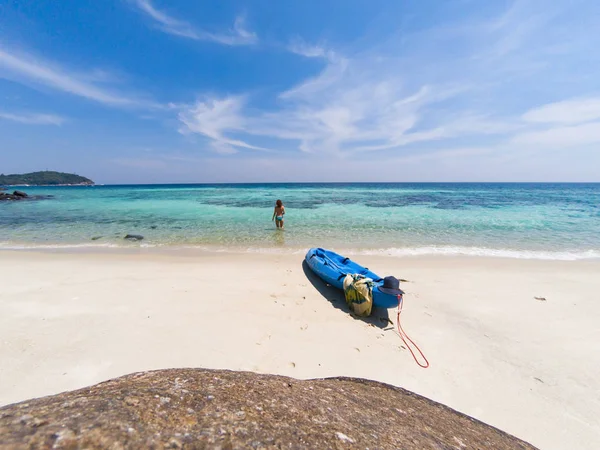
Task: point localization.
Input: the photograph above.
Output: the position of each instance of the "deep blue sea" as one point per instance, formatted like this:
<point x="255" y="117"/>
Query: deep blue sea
<point x="546" y="221"/>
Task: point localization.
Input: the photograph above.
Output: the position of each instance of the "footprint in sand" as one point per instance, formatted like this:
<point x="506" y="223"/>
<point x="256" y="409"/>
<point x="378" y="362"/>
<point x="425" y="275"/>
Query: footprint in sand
<point x="268" y="338"/>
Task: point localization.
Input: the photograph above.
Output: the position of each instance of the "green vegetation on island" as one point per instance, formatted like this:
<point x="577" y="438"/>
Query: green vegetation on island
<point x="45" y="178"/>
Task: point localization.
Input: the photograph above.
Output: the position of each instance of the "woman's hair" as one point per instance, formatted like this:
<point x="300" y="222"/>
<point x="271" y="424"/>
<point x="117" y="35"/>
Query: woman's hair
<point x="278" y="203"/>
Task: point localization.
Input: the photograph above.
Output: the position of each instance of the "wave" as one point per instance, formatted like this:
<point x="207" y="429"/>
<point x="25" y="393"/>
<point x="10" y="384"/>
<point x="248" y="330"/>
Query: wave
<point x="481" y="251"/>
<point x="13" y="246"/>
<point x="33" y="246"/>
<point x="398" y="252"/>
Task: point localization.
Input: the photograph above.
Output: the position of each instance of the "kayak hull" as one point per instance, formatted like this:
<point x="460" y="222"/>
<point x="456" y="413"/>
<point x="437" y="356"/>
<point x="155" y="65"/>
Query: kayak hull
<point x="333" y="268"/>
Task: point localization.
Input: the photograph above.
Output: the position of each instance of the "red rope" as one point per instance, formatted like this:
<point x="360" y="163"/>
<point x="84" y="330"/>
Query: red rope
<point x="403" y="335"/>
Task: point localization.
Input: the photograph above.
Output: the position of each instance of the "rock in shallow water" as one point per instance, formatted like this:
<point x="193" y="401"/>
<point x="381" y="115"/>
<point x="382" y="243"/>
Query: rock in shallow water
<point x="134" y="237"/>
<point x="18" y="195"/>
<point x="198" y="408"/>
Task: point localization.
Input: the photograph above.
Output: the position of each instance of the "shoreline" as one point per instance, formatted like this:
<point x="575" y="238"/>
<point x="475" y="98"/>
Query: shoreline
<point x="590" y="255"/>
<point x="173" y="253"/>
<point x="526" y="366"/>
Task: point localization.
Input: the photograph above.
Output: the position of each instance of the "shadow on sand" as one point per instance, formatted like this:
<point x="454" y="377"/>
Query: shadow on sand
<point x="379" y="316"/>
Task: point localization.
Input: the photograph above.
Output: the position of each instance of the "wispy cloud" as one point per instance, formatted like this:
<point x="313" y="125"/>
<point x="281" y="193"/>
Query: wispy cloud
<point x="446" y="87"/>
<point x="565" y="124"/>
<point x="238" y="35"/>
<point x="566" y="112"/>
<point x="514" y="27"/>
<point x="352" y="106"/>
<point x="33" y="118"/>
<point x="569" y="137"/>
<point x="299" y="47"/>
<point x="30" y="70"/>
<point x="213" y="118"/>
<point x="166" y="22"/>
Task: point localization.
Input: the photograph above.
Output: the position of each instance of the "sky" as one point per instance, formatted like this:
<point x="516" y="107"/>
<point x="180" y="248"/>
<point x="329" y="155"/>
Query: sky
<point x="193" y="91"/>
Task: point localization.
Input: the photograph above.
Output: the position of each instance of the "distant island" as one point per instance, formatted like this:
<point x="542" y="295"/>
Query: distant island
<point x="45" y="178"/>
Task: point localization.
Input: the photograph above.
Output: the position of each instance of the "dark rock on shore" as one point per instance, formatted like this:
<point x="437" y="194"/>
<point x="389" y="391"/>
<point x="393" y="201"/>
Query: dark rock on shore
<point x="134" y="237"/>
<point x="95" y="238"/>
<point x="197" y="408"/>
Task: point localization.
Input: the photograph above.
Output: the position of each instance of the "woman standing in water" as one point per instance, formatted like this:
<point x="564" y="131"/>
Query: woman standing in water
<point x="278" y="214"/>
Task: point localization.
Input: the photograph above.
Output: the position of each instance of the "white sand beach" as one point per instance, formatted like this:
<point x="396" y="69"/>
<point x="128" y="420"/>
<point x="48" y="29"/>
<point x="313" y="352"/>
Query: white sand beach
<point x="529" y="367"/>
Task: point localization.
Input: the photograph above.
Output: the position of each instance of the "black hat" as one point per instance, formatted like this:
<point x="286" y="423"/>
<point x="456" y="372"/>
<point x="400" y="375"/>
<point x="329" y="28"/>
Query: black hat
<point x="391" y="285"/>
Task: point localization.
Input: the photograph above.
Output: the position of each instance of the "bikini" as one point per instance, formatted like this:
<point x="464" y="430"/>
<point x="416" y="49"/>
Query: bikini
<point x="280" y="218"/>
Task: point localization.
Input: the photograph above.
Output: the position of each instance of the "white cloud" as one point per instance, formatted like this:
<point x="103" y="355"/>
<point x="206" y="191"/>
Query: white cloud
<point x="566" y="112"/>
<point x="238" y="35"/>
<point x="565" y="124"/>
<point x="27" y="69"/>
<point x="391" y="97"/>
<point x="334" y="71"/>
<point x="561" y="137"/>
<point x="33" y="119"/>
<point x="213" y="118"/>
<point x="243" y="35"/>
<point x="457" y="87"/>
<point x="299" y="47"/>
<point x="354" y="105"/>
<point x="512" y="29"/>
<point x="167" y="23"/>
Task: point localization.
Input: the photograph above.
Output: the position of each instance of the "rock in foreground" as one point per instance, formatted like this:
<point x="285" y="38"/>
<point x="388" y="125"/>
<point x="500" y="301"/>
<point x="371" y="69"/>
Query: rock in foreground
<point x="197" y="408"/>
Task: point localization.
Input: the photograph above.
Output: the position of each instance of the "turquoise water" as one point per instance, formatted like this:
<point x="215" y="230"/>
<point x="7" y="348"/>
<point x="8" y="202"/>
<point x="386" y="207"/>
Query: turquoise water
<point x="554" y="221"/>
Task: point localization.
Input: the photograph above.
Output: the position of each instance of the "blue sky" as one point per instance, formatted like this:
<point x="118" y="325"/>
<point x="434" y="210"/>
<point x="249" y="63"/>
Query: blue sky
<point x="157" y="91"/>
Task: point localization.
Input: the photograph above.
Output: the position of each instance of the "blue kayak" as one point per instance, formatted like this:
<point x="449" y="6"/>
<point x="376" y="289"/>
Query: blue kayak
<point x="333" y="268"/>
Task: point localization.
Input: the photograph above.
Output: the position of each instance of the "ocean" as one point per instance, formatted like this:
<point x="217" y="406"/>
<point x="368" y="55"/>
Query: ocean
<point x="519" y="220"/>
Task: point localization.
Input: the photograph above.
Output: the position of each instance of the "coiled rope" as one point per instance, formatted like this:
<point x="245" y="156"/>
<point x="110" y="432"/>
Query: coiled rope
<point x="405" y="337"/>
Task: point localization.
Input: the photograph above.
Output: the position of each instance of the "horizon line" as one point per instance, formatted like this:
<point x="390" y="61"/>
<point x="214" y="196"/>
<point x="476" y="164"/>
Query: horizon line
<point x="205" y="183"/>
